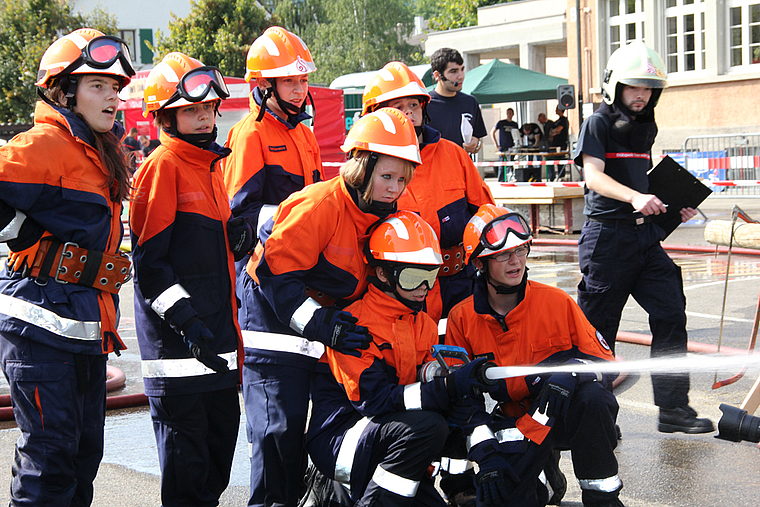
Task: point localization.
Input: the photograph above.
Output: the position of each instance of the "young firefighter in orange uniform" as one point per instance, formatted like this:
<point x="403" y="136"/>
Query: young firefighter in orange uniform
<point x="304" y="271"/>
<point x="62" y="184"/>
<point x="447" y="188"/>
<point x="513" y="321"/>
<point x="185" y="307"/>
<point x="273" y="153"/>
<point x="373" y="427"/>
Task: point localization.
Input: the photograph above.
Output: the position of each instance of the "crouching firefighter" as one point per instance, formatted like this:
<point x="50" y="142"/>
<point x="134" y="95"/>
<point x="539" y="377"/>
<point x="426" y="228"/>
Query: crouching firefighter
<point x="373" y="427"/>
<point x="513" y="321"/>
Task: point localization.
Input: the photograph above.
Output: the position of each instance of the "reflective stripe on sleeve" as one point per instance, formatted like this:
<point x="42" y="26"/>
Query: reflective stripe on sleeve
<point x="608" y="485"/>
<point x="479" y="434"/>
<point x="413" y="396"/>
<point x="345" y="460"/>
<point x="456" y="466"/>
<point x="49" y="320"/>
<point x="10" y="231"/>
<point x="176" y="368"/>
<point x="395" y="483"/>
<point x="303" y="315"/>
<point x="168" y="298"/>
<point x="282" y="343"/>
<point x="509" y="435"/>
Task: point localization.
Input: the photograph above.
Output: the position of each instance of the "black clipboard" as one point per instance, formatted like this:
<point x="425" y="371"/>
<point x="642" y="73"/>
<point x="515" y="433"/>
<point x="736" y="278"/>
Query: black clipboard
<point x="676" y="187"/>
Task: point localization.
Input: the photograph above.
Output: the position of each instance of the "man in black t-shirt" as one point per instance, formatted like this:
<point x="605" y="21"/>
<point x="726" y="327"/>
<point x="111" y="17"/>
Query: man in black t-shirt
<point x="501" y="133"/>
<point x="453" y="113"/>
<point x="619" y="250"/>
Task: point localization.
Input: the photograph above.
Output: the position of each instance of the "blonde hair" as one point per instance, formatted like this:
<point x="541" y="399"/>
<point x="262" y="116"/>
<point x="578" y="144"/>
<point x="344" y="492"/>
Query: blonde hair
<point x="355" y="168"/>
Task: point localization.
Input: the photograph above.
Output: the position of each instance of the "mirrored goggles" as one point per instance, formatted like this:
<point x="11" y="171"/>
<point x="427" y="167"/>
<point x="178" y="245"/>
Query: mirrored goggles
<point x="196" y="84"/>
<point x="101" y="52"/>
<point x="496" y="232"/>
<point x="412" y="278"/>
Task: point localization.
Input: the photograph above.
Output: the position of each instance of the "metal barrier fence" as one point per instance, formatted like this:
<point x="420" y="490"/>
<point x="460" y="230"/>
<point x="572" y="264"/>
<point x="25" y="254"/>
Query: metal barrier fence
<point x="723" y="158"/>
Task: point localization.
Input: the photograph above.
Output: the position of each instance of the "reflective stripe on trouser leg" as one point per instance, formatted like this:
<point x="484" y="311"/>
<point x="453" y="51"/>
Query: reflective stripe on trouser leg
<point x="395" y="483"/>
<point x="345" y="460"/>
<point x="608" y="485"/>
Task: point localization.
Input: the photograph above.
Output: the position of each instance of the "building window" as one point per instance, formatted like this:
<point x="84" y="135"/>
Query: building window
<point x="685" y="35"/>
<point x="744" y="32"/>
<point x="626" y="22"/>
<point x="129" y="38"/>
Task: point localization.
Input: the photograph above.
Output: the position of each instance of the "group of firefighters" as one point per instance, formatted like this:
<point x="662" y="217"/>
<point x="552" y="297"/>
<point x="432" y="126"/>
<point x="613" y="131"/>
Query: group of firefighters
<point x="321" y="297"/>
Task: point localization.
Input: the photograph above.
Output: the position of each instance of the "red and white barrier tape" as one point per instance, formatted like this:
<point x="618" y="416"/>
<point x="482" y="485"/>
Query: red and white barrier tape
<point x="513" y="163"/>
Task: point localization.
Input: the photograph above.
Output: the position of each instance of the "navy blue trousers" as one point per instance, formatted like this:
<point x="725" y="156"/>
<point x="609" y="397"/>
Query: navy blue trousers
<point x="196" y="436"/>
<point x="618" y="261"/>
<point x="59" y="403"/>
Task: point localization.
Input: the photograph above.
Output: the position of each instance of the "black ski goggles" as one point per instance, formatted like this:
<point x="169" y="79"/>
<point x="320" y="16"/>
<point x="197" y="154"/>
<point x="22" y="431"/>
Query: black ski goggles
<point x="196" y="84"/>
<point x="102" y="52"/>
<point x="412" y="277"/>
<point x="497" y="231"/>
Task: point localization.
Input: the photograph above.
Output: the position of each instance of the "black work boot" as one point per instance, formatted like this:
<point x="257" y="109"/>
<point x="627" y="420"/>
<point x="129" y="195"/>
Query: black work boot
<point x="683" y="419"/>
<point x="555" y="478"/>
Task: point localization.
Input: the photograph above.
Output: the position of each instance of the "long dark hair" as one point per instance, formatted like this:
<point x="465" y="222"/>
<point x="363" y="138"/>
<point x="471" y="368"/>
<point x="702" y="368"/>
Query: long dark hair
<point x="112" y="153"/>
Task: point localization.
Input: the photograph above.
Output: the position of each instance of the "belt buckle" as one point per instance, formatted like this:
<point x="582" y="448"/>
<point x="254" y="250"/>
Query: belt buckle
<point x="639" y="220"/>
<point x="65" y="252"/>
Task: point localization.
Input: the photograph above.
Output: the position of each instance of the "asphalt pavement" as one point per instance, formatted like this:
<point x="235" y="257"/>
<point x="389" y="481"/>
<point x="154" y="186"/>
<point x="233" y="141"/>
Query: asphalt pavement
<point x="658" y="470"/>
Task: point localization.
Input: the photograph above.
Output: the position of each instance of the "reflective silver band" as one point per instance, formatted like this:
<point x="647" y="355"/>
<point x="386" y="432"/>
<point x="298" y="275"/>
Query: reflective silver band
<point x="266" y="212"/>
<point x="456" y="466"/>
<point x="395" y="483"/>
<point x="10" y="231"/>
<point x="479" y="434"/>
<point x="442" y="326"/>
<point x="282" y="343"/>
<point x="540" y="418"/>
<point x="303" y="315"/>
<point x="608" y="485"/>
<point x="168" y="298"/>
<point x="48" y="320"/>
<point x="176" y="368"/>
<point x="345" y="460"/>
<point x="413" y="396"/>
<point x="509" y="435"/>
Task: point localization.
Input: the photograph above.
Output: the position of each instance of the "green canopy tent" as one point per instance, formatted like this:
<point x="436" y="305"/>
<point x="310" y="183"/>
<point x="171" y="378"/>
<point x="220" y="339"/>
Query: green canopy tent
<point x="497" y="82"/>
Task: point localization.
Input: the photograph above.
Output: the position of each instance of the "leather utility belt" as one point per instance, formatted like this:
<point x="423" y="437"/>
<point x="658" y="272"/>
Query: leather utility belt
<point x="453" y="260"/>
<point x="68" y="263"/>
<point x="621" y="221"/>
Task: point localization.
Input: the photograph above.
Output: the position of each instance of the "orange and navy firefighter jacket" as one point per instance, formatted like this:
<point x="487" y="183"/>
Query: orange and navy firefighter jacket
<point x="347" y="388"/>
<point x="178" y="221"/>
<point x="53" y="174"/>
<point x="270" y="160"/>
<point x="547" y="326"/>
<point x="446" y="191"/>
<point x="314" y="254"/>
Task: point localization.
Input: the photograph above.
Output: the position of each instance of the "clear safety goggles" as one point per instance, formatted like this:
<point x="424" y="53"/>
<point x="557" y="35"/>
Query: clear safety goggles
<point x="412" y="278"/>
<point x="497" y="231"/>
<point x="196" y="84"/>
<point x="102" y="52"/>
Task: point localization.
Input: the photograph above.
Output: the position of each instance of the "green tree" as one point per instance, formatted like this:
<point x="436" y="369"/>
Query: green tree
<point x="27" y="28"/>
<point x="362" y="35"/>
<point x="217" y="32"/>
<point x="450" y="14"/>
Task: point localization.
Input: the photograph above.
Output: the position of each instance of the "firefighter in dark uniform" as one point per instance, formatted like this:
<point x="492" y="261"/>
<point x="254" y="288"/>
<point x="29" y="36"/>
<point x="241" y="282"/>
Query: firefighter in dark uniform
<point x="619" y="249"/>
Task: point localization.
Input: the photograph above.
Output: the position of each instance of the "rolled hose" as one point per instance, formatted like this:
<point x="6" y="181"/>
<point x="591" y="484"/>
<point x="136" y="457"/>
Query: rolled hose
<point x="115" y="379"/>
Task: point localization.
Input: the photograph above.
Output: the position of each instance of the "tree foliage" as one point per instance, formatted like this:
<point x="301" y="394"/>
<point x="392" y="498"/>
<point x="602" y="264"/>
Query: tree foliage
<point x="450" y="14"/>
<point x="217" y="32"/>
<point x="27" y="28"/>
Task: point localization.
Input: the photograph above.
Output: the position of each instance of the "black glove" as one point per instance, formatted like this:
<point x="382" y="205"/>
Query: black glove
<point x="338" y="330"/>
<point x="467" y="380"/>
<point x="498" y="391"/>
<point x="461" y="412"/>
<point x="554" y="398"/>
<point x="496" y="476"/>
<point x="240" y="234"/>
<point x="183" y="319"/>
<point x="198" y="337"/>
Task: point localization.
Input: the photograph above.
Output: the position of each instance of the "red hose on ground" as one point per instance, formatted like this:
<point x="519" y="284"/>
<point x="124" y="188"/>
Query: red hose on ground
<point x="115" y="379"/>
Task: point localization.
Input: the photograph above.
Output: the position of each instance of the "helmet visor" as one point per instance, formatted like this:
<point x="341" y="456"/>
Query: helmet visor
<point x="101" y="52"/>
<point x="196" y="84"/>
<point x="496" y="232"/>
<point x="412" y="278"/>
<point x="644" y="82"/>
